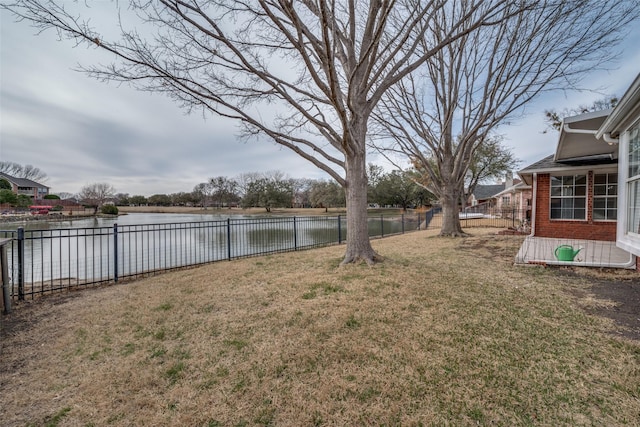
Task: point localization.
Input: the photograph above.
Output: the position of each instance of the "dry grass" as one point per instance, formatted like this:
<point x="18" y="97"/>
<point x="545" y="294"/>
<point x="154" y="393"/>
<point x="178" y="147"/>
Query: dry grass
<point x="444" y="332"/>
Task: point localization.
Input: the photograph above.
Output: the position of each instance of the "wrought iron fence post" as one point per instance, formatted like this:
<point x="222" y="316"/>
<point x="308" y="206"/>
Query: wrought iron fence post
<point x="381" y="226"/>
<point x="295" y="234"/>
<point x="513" y="218"/>
<point x="115" y="253"/>
<point x="20" y="263"/>
<point x="339" y="231"/>
<point x="4" y="278"/>
<point x="229" y="239"/>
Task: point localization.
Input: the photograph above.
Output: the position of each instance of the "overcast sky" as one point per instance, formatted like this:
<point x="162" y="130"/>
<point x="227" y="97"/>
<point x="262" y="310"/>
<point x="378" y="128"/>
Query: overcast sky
<point x="82" y="131"/>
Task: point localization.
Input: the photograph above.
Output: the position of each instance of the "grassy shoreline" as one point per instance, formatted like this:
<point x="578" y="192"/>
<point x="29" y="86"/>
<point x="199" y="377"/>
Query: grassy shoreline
<point x="443" y="332"/>
<point x="252" y="211"/>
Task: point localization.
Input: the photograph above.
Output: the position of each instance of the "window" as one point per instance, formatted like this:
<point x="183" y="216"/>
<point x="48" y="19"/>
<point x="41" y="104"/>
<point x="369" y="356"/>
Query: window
<point x="506" y="201"/>
<point x="605" y="197"/>
<point x="569" y="197"/>
<point x="633" y="182"/>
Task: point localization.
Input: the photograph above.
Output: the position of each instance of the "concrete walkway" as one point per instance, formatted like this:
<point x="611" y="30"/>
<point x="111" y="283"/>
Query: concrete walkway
<point x="593" y="253"/>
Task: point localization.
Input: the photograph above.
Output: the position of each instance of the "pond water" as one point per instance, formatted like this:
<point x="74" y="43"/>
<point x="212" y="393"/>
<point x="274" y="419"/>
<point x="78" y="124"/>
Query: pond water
<point x="91" y="250"/>
<point x="128" y="219"/>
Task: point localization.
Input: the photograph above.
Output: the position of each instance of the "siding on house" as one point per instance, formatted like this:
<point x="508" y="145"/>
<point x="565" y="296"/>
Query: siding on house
<point x="577" y="229"/>
<point x="26" y="187"/>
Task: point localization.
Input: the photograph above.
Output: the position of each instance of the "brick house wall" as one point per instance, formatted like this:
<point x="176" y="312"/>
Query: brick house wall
<point x="574" y="229"/>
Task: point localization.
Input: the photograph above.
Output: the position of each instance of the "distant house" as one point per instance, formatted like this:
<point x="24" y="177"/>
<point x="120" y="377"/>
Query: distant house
<point x="26" y="187"/>
<point x="516" y="198"/>
<point x="509" y="195"/>
<point x="576" y="205"/>
<point x="484" y="193"/>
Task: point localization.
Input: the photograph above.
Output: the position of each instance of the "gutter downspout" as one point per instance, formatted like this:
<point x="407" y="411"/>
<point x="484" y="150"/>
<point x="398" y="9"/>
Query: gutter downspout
<point x="567" y="129"/>
<point x="533" y="205"/>
<point x="605" y="136"/>
<point x="608" y="139"/>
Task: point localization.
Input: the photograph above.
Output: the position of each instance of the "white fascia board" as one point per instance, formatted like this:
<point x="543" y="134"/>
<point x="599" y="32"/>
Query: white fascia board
<point x="621" y="113"/>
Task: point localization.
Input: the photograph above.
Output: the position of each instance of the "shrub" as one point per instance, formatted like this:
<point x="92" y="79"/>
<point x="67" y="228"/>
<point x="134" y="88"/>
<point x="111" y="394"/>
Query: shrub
<point x="109" y="210"/>
<point x="51" y="197"/>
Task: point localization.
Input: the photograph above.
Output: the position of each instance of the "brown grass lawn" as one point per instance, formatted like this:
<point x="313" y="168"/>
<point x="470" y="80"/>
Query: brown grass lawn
<point x="444" y="332"/>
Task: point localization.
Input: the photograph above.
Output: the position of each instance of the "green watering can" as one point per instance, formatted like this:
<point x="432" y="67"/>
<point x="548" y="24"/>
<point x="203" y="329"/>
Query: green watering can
<point x="566" y="252"/>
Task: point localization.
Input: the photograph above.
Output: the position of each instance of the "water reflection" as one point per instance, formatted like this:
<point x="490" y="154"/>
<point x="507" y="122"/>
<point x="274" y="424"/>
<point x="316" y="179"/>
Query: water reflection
<point x="91" y="249"/>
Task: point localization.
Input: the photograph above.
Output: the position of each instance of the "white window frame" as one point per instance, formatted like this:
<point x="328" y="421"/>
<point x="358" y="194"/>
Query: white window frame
<point x="607" y="197"/>
<point x="563" y="196"/>
<point x="626" y="240"/>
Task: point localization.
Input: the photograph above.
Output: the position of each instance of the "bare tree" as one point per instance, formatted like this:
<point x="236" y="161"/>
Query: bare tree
<point x="224" y="191"/>
<point x="440" y="115"/>
<point x="96" y="194"/>
<point x="19" y="171"/>
<point x="490" y="160"/>
<point x="305" y="74"/>
<point x="554" y="118"/>
<point x="326" y="194"/>
<point x="202" y="192"/>
<point x="65" y="195"/>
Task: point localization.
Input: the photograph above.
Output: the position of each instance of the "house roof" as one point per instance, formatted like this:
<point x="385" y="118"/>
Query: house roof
<point x="514" y="188"/>
<point x="21" y="182"/>
<point x="483" y="192"/>
<point x="575" y="165"/>
<point x="578" y="137"/>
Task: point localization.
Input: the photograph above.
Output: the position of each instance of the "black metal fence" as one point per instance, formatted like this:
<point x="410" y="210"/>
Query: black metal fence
<point x="44" y="261"/>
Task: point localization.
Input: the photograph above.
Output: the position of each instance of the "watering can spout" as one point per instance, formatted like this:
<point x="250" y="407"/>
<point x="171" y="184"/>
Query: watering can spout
<point x="566" y="253"/>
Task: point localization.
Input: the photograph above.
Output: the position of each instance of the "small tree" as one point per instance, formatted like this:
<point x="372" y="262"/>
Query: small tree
<point x="24" y="201"/>
<point x="202" y="193"/>
<point x="109" y="210"/>
<point x="224" y="191"/>
<point x="8" y="196"/>
<point x="326" y="194"/>
<point x="121" y="199"/>
<point x="399" y="189"/>
<point x="269" y="191"/>
<point x="51" y="197"/>
<point x="159" y="200"/>
<point x="183" y="199"/>
<point x="4" y="184"/>
<point x="490" y="160"/>
<point x="95" y="195"/>
<point x="138" y="200"/>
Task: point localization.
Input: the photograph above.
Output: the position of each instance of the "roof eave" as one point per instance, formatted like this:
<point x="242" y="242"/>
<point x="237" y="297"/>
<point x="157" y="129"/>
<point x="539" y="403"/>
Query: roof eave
<point x="621" y="113"/>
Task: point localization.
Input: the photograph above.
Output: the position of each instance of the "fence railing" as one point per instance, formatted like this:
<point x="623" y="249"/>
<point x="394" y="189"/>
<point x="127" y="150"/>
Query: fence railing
<point x="50" y="260"/>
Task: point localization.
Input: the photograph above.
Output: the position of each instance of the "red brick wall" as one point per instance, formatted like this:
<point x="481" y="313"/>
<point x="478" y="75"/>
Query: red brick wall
<point x="586" y="229"/>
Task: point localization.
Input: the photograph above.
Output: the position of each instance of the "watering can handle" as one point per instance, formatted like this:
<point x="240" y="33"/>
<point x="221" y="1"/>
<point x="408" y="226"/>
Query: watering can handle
<point x="556" y="251"/>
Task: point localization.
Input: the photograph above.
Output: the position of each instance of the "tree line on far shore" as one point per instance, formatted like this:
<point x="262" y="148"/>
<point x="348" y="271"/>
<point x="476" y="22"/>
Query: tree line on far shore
<point x="273" y="189"/>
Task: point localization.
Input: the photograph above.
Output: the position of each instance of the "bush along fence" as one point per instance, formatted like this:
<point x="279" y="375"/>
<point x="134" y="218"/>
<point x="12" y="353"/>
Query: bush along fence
<point x="45" y="261"/>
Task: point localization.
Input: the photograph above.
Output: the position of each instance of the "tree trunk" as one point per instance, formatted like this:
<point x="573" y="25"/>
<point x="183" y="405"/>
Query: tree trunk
<point x="358" y="244"/>
<point x="450" y="215"/>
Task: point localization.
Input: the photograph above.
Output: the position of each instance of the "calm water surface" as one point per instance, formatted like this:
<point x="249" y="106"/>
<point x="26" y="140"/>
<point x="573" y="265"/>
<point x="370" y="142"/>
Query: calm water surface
<point x="129" y="219"/>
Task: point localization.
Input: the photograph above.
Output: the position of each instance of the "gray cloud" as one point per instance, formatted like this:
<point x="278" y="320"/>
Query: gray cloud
<point x="79" y="130"/>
